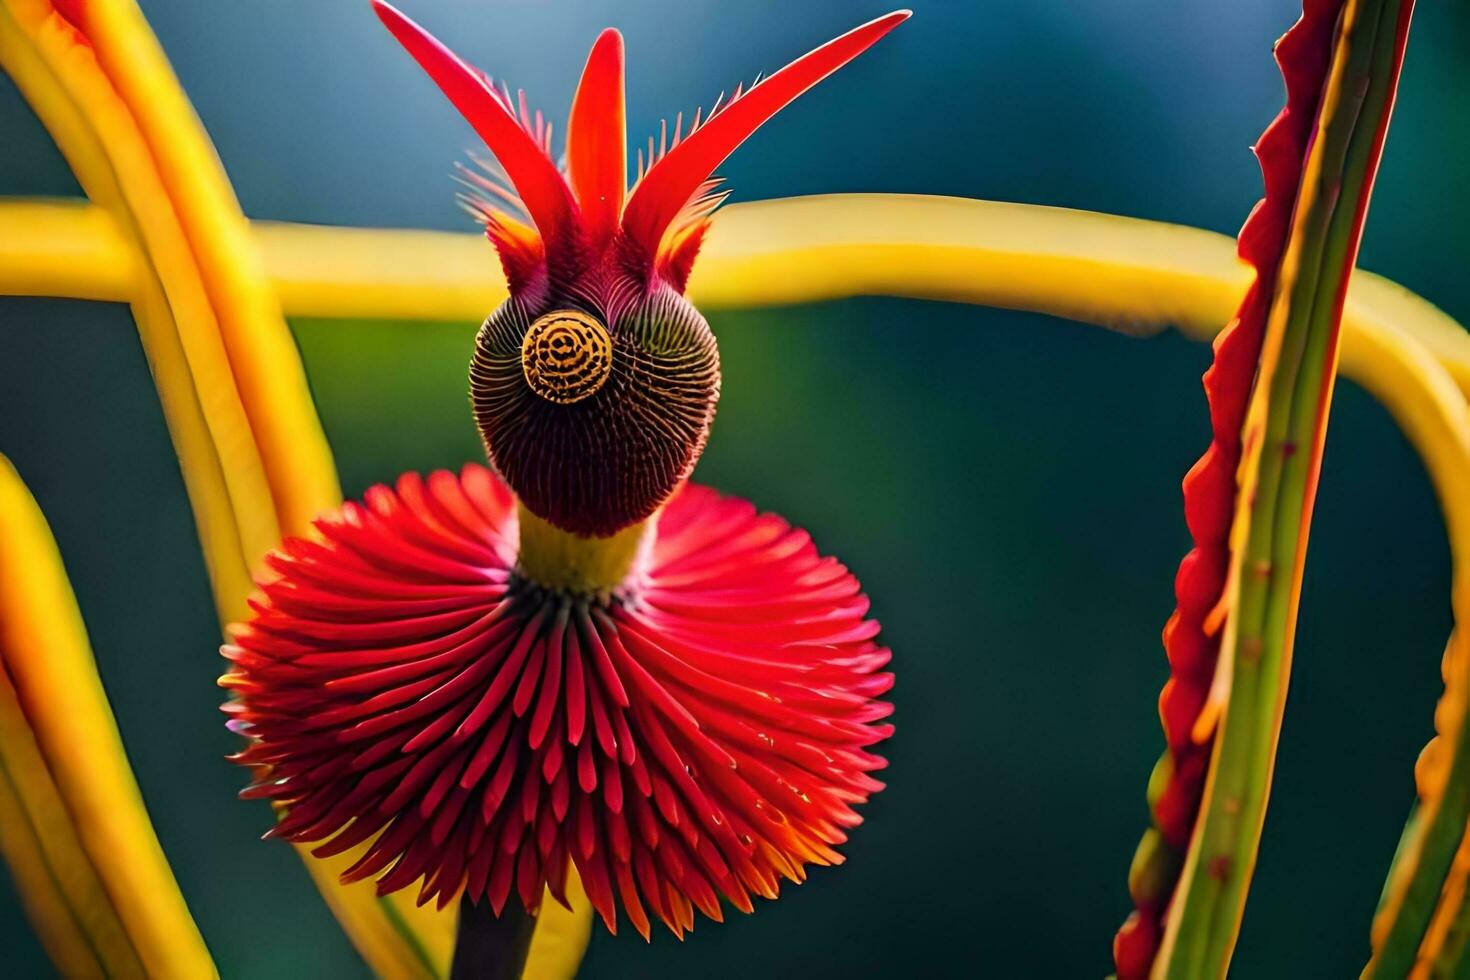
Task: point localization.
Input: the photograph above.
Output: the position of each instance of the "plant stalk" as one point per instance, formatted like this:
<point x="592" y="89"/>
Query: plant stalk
<point x="489" y="946"/>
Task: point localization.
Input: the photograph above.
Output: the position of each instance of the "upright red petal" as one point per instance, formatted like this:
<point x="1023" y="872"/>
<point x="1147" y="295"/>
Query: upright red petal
<point x="534" y="174"/>
<point x="597" y="152"/>
<point x="704" y="732"/>
<point x="675" y="178"/>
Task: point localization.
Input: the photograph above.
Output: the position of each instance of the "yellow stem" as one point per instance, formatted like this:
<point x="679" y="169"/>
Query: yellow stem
<point x="72" y="821"/>
<point x="1128" y="274"/>
<point x="564" y="562"/>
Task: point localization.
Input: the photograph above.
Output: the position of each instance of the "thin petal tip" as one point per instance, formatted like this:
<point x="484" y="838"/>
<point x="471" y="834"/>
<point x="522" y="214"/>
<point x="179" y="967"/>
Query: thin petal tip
<point x="609" y="36"/>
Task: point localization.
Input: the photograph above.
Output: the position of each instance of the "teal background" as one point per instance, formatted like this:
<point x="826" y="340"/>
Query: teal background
<point x="1012" y="506"/>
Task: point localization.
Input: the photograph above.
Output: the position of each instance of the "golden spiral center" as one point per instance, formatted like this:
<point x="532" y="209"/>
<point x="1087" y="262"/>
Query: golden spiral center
<point x="566" y="356"/>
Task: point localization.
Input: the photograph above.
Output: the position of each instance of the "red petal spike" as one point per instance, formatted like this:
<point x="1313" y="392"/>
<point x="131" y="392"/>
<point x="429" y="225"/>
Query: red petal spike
<point x="597" y="152"/>
<point x="533" y="173"/>
<point x="671" y="182"/>
<point x="704" y="733"/>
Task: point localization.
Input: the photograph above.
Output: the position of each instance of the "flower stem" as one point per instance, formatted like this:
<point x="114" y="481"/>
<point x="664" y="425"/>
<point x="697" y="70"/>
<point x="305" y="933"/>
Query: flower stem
<point x="489" y="946"/>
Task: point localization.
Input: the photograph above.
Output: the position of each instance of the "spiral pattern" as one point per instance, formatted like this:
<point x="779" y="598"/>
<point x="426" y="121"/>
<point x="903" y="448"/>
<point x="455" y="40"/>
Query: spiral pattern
<point x="594" y="466"/>
<point x="566" y="356"/>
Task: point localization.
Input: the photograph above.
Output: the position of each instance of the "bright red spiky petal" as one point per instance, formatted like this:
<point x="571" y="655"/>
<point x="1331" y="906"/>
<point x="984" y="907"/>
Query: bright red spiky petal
<point x="1303" y="54"/>
<point x="597" y="152"/>
<point x="703" y="734"/>
<point x="674" y="179"/>
<point x="530" y="169"/>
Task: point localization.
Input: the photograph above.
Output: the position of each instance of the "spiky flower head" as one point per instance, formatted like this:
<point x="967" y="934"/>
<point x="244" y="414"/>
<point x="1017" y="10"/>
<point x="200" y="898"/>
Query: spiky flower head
<point x="595" y="383"/>
<point x="699" y="735"/>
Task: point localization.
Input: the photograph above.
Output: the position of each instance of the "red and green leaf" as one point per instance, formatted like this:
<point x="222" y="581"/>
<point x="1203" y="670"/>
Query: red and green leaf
<point x="1248" y="501"/>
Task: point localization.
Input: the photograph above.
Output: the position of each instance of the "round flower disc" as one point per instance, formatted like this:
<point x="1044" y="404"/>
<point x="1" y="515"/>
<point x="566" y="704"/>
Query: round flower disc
<point x="701" y="734"/>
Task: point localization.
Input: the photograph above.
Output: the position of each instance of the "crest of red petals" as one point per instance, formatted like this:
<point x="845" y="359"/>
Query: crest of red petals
<point x="1303" y="54"/>
<point x="587" y="220"/>
<point x="698" y="736"/>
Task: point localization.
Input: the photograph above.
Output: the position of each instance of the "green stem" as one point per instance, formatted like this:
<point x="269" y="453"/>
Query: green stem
<point x="1357" y="97"/>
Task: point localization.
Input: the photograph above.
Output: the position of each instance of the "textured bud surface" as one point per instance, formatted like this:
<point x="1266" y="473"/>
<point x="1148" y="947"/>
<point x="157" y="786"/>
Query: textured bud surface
<point x="594" y="456"/>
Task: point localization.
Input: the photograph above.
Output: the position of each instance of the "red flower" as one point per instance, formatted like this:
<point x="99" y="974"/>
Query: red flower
<point x="701" y="731"/>
<point x="591" y="663"/>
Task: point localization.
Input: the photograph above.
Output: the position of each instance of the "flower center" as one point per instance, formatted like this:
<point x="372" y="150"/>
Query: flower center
<point x="564" y="562"/>
<point x="566" y="356"/>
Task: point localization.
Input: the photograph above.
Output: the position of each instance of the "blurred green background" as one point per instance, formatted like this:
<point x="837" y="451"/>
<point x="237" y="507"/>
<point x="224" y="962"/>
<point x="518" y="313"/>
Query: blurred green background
<point x="1012" y="508"/>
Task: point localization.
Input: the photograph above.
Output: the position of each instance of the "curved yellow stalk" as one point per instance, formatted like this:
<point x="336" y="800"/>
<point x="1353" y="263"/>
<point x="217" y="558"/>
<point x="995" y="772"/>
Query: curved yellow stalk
<point x="174" y="322"/>
<point x="1423" y="398"/>
<point x="72" y="822"/>
<point x="151" y="164"/>
<point x="1129" y="274"/>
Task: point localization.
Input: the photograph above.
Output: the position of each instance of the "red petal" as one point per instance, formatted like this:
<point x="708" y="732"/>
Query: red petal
<point x="677" y="176"/>
<point x="597" y="153"/>
<point x="399" y="680"/>
<point x="533" y="173"/>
